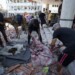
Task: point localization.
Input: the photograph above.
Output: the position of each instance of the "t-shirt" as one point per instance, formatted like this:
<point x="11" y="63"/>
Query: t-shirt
<point x="19" y="18"/>
<point x="65" y="35"/>
<point x="42" y="18"/>
<point x="49" y="16"/>
<point x="34" y="24"/>
<point x="1" y="20"/>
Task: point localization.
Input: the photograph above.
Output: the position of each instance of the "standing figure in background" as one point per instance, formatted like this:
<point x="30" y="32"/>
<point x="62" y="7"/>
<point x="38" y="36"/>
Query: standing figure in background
<point x="24" y="24"/>
<point x="59" y="10"/>
<point x="19" y="19"/>
<point x="42" y="17"/>
<point x="49" y="17"/>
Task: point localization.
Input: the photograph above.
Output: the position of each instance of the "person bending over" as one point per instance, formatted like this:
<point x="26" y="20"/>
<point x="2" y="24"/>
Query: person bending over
<point x="34" y="26"/>
<point x="67" y="37"/>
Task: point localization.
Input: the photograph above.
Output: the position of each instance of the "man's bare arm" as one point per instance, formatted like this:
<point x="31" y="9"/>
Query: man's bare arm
<point x="53" y="41"/>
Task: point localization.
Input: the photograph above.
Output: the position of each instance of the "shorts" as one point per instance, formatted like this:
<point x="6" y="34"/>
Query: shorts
<point x="68" y="55"/>
<point x="65" y="59"/>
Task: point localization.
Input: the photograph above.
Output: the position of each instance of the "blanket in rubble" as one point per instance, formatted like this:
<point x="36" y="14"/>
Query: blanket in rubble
<point x="20" y="58"/>
<point x="40" y="54"/>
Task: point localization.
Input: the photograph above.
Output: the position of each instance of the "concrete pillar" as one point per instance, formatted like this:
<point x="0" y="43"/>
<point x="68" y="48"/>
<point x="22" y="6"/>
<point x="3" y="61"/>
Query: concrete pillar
<point x="67" y="13"/>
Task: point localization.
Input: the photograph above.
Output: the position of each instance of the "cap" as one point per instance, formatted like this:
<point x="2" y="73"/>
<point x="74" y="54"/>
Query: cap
<point x="56" y="26"/>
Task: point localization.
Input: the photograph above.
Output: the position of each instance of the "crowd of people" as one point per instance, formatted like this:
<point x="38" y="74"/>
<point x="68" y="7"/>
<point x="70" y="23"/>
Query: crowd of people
<point x="27" y="21"/>
<point x="65" y="35"/>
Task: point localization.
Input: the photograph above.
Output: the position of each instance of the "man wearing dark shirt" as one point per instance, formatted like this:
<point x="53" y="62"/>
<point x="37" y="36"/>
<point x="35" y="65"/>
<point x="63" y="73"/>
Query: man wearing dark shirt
<point x="19" y="19"/>
<point x="59" y="10"/>
<point x="2" y="27"/>
<point x="67" y="37"/>
<point x="34" y="26"/>
<point x="42" y="18"/>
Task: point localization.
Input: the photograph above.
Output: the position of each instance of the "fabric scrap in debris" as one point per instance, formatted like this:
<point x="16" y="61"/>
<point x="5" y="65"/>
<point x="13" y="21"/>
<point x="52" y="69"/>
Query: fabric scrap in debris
<point x="23" y="57"/>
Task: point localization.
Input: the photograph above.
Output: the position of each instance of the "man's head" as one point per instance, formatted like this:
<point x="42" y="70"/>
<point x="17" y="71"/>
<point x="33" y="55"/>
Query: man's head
<point x="49" y="11"/>
<point x="56" y="26"/>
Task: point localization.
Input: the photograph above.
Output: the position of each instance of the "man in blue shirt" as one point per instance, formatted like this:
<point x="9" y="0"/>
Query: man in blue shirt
<point x="19" y="19"/>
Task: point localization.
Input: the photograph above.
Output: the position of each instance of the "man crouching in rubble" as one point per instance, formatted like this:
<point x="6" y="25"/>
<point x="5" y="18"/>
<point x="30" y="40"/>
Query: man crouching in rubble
<point x="34" y="26"/>
<point x="67" y="37"/>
